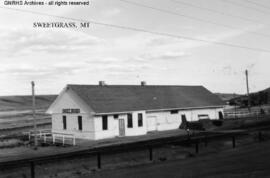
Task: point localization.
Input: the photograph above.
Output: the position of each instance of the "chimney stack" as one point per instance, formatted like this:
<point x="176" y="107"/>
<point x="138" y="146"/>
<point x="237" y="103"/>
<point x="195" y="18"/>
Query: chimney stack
<point x="101" y="83"/>
<point x="143" y="83"/>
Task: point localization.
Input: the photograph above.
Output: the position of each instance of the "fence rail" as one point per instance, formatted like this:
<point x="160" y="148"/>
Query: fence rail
<point x="63" y="137"/>
<point x="47" y="135"/>
<point x="38" y="133"/>
<point x="245" y="114"/>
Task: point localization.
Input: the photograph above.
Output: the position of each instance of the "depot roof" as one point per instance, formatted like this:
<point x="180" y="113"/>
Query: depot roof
<point x="121" y="98"/>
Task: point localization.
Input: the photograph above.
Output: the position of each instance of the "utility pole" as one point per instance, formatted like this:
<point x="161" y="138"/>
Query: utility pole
<point x="247" y="90"/>
<point x="34" y="114"/>
<point x="234" y="95"/>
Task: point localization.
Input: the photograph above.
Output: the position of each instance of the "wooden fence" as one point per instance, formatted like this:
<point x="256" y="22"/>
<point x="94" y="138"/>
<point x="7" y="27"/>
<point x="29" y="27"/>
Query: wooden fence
<point x="47" y="136"/>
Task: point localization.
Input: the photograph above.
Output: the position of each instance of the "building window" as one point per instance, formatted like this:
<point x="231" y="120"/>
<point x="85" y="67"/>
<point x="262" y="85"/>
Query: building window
<point x="129" y="120"/>
<point x="64" y="122"/>
<point x="115" y="116"/>
<point x="174" y="111"/>
<point x="80" y="122"/>
<point x="140" y="120"/>
<point x="105" y="122"/>
<point x="203" y="116"/>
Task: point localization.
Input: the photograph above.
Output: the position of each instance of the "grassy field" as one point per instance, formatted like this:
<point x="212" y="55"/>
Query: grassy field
<point x="19" y="103"/>
<point x="16" y="113"/>
<point x="227" y="96"/>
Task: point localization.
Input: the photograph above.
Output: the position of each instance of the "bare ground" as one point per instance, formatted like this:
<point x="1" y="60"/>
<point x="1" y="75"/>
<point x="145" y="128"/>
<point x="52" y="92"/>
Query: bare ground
<point x="251" y="160"/>
<point x="218" y="159"/>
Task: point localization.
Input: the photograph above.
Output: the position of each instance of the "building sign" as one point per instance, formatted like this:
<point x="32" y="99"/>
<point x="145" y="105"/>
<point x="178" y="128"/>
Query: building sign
<point x="71" y="111"/>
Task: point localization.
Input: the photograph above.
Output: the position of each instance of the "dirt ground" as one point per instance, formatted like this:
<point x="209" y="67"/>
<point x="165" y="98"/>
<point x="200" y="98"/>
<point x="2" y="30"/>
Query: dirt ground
<point x="249" y="159"/>
<point x="246" y="161"/>
<point x="24" y="152"/>
<point x="216" y="160"/>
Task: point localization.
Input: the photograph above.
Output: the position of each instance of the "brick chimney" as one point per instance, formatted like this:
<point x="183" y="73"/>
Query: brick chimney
<point x="143" y="83"/>
<point x="101" y="83"/>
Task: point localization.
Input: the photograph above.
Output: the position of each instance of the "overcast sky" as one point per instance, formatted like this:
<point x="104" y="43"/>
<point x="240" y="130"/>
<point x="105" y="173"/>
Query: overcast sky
<point x="56" y="57"/>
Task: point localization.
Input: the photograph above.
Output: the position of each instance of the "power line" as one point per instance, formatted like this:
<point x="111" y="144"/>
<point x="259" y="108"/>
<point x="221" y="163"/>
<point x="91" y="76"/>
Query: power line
<point x="214" y="11"/>
<point x="142" y="30"/>
<point x="190" y="17"/>
<point x="245" y="6"/>
<point x="258" y="4"/>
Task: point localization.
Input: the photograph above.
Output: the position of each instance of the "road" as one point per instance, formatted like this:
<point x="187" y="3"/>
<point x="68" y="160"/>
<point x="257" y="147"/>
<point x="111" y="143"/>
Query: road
<point x="246" y="161"/>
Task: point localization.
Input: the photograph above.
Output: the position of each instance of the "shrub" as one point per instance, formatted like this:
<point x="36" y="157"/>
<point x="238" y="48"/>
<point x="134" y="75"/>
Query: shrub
<point x="10" y="143"/>
<point x="217" y="122"/>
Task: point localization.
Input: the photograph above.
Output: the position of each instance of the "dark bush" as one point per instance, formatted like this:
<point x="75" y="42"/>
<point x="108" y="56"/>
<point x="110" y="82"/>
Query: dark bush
<point x="217" y="122"/>
<point x="196" y="125"/>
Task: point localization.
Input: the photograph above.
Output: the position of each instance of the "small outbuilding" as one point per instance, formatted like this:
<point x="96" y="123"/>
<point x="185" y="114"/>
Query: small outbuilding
<point x="105" y="111"/>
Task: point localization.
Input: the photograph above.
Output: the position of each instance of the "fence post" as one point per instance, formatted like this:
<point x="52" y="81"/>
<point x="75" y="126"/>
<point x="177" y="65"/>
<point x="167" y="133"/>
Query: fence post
<point x="150" y="153"/>
<point x="53" y="138"/>
<point x="99" y="160"/>
<point x="63" y="140"/>
<point x="233" y="141"/>
<point x="260" y="136"/>
<point x="188" y="137"/>
<point x="74" y="141"/>
<point x="205" y="141"/>
<point x="32" y="165"/>
<point x="197" y="146"/>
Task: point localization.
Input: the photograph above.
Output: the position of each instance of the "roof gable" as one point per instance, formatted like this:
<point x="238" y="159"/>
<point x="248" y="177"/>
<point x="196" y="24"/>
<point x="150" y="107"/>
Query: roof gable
<point x="68" y="99"/>
<point x="121" y="98"/>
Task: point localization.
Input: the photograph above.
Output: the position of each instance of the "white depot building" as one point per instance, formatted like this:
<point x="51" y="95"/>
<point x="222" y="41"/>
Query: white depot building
<point x="104" y="111"/>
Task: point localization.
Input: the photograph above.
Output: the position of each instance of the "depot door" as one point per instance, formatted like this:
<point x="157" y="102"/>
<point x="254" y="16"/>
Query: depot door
<point x="121" y="127"/>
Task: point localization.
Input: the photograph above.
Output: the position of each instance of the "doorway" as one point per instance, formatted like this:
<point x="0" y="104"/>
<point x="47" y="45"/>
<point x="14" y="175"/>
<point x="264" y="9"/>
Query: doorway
<point x="121" y="127"/>
<point x="220" y="115"/>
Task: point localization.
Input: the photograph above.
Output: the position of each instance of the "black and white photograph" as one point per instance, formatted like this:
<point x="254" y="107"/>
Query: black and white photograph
<point x="134" y="89"/>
